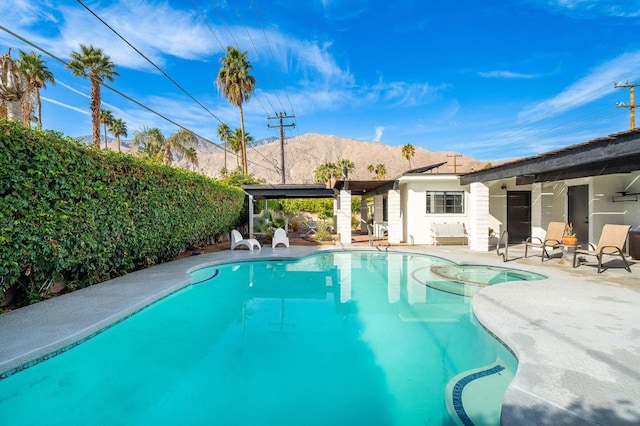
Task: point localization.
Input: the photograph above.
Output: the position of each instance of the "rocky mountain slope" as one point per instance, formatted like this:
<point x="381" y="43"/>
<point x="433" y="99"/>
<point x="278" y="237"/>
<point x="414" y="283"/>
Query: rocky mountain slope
<point x="303" y="154"/>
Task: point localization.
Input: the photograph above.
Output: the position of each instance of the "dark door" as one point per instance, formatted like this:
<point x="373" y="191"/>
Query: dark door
<point x="578" y="210"/>
<point x="518" y="216"/>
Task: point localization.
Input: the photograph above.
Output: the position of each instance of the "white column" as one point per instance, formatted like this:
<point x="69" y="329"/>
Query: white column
<point x="537" y="227"/>
<point x="378" y="211"/>
<point x="394" y="223"/>
<point x="364" y="214"/>
<point x="343" y="263"/>
<point x="416" y="291"/>
<point x="250" y="216"/>
<point x="335" y="213"/>
<point x="394" y="274"/>
<point x="344" y="217"/>
<point x="479" y="217"/>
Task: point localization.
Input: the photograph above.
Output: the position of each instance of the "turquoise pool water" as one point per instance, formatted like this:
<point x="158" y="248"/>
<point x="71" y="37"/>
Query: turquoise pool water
<point x="344" y="338"/>
<point x="469" y="279"/>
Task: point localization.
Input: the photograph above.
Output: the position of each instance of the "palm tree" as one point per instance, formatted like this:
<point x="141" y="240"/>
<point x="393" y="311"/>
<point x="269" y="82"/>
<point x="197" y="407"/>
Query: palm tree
<point x="119" y="128"/>
<point x="235" y="143"/>
<point x="223" y="133"/>
<point x="408" y="151"/>
<point x="181" y="143"/>
<point x="237" y="85"/>
<point x="154" y="146"/>
<point x="148" y="142"/>
<point x="346" y="165"/>
<point x="324" y="173"/>
<point x="381" y="171"/>
<point x="37" y="75"/>
<point x="106" y="118"/>
<point x="92" y="63"/>
<point x="12" y="87"/>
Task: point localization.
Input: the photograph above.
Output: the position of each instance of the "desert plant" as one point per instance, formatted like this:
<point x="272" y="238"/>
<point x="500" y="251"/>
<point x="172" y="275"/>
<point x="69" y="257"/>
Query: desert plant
<point x="323" y="233"/>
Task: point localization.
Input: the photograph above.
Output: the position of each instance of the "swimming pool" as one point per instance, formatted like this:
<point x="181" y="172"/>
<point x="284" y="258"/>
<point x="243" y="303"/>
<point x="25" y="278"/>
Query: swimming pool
<point x="334" y="338"/>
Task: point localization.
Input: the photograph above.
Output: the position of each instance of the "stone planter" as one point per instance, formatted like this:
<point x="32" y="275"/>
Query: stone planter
<point x="57" y="287"/>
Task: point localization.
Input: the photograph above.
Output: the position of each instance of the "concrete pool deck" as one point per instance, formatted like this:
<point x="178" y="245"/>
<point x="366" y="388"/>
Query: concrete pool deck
<point x="576" y="335"/>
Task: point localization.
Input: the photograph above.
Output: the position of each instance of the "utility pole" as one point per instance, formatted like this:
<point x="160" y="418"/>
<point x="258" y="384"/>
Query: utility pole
<point x="632" y="103"/>
<point x="281" y="125"/>
<point x="455" y="164"/>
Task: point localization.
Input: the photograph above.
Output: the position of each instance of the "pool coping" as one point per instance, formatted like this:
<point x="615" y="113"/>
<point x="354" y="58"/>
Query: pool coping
<point x="576" y="337"/>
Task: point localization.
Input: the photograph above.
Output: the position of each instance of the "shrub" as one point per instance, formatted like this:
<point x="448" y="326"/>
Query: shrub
<point x="73" y="212"/>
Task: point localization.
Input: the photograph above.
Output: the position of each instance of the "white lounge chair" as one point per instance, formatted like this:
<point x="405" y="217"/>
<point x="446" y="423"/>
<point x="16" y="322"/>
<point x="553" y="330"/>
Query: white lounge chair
<point x="237" y="240"/>
<point x="279" y="237"/>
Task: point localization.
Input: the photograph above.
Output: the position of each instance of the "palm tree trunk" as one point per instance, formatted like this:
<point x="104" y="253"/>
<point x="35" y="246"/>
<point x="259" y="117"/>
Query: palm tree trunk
<point x="14" y="110"/>
<point x="168" y="158"/>
<point x="39" y="105"/>
<point x="105" y="136"/>
<point x="243" y="146"/>
<point x="118" y="139"/>
<point x="27" y="108"/>
<point x="95" y="111"/>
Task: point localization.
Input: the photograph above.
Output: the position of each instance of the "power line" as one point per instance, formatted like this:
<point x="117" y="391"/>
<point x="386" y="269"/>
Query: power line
<point x="150" y="61"/>
<point x="632" y="103"/>
<point x="455" y="163"/>
<point x="222" y="46"/>
<point x="129" y="98"/>
<point x="273" y="56"/>
<point x="281" y="125"/>
<point x="244" y="25"/>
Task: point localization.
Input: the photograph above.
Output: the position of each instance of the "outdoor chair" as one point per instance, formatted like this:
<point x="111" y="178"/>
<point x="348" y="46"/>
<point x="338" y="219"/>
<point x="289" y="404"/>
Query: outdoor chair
<point x="309" y="227"/>
<point x="552" y="239"/>
<point x="611" y="242"/>
<point x="279" y="237"/>
<point x="237" y="240"/>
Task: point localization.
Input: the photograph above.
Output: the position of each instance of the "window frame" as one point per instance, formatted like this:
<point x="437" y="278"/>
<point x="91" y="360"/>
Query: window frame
<point x="448" y="200"/>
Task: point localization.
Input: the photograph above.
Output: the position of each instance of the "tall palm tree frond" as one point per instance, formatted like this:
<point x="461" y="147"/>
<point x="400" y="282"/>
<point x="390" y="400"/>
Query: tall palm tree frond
<point x="237" y="84"/>
<point x="91" y="62"/>
<point x="37" y="75"/>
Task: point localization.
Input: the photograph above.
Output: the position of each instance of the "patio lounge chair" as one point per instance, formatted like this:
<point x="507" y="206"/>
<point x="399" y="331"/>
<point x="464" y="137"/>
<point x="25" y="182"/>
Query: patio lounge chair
<point x="611" y="242"/>
<point x="309" y="227"/>
<point x="237" y="241"/>
<point x="280" y="237"/>
<point x="552" y="239"/>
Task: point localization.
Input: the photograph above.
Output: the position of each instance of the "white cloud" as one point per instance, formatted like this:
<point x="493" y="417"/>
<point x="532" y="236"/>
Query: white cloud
<point x="145" y="27"/>
<point x="67" y="106"/>
<point x="593" y="8"/>
<point x="25" y="12"/>
<point x="506" y="74"/>
<point x="73" y="89"/>
<point x="379" y="131"/>
<point x="593" y="86"/>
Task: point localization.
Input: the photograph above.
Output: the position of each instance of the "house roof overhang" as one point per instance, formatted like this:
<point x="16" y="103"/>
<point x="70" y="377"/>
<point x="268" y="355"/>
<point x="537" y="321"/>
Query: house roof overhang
<point x="268" y="192"/>
<point x="364" y="187"/>
<point x="616" y="153"/>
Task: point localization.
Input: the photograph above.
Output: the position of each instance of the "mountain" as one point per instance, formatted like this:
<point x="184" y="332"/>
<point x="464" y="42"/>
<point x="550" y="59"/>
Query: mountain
<point x="303" y="154"/>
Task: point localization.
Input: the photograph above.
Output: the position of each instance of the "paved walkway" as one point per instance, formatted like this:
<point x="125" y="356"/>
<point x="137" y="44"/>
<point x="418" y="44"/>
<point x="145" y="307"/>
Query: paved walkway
<point x="576" y="335"/>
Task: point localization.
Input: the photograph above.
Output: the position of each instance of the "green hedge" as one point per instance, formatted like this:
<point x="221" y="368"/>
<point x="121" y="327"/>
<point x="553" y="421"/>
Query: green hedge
<point x="73" y="212"/>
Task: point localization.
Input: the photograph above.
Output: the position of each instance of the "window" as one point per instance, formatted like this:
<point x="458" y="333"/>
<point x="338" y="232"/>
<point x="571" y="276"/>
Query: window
<point x="445" y="201"/>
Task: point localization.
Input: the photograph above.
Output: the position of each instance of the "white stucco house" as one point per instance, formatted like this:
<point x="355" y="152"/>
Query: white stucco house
<point x="588" y="184"/>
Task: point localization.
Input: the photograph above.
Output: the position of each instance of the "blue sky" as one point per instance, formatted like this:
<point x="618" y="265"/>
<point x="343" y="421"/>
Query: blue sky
<point x="492" y="79"/>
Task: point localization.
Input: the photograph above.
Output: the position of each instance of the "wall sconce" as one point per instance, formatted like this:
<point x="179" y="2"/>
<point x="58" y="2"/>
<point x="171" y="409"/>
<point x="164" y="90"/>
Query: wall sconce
<point x="504" y="187"/>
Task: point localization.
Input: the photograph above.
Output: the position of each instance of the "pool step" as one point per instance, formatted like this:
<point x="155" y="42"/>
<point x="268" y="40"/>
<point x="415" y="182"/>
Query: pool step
<point x="475" y="397"/>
